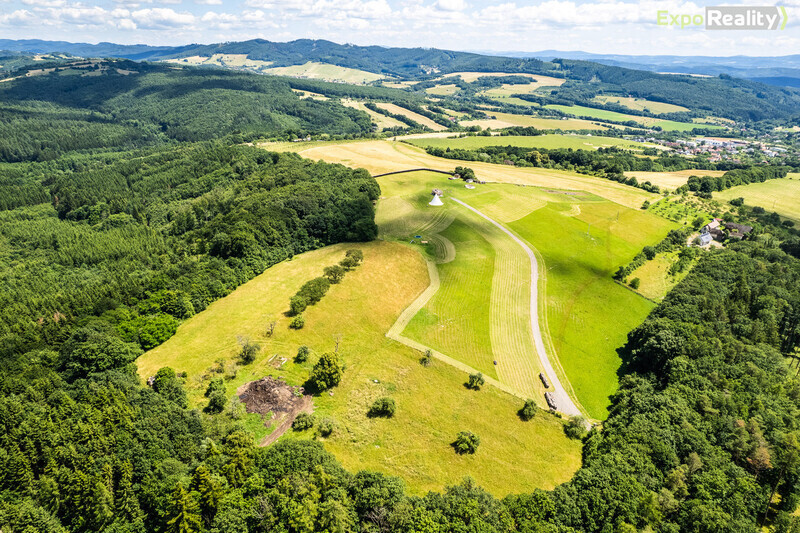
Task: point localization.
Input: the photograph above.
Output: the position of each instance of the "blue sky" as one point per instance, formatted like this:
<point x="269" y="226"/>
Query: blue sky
<point x="602" y="26"/>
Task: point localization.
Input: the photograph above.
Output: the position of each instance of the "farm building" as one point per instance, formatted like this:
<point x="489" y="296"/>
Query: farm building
<point x="437" y="192"/>
<point x="705" y="238"/>
<point x="737" y="231"/>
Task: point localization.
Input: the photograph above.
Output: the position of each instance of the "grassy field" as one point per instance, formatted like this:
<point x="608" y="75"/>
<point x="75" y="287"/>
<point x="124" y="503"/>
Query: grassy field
<point x="224" y="60"/>
<point x="443" y="90"/>
<point x="578" y="267"/>
<point x="425" y="121"/>
<point x="539" y="141"/>
<point x="655" y="278"/>
<point x="481" y="312"/>
<point x="781" y="196"/>
<point x="672" y="180"/>
<point x="602" y="114"/>
<point x="433" y="404"/>
<point x="588" y="314"/>
<point x="325" y="71"/>
<point x="640" y="104"/>
<point x="499" y="120"/>
<point x="382" y="121"/>
<point x="387" y="156"/>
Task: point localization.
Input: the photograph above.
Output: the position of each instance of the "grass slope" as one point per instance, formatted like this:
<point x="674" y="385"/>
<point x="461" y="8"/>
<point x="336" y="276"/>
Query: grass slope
<point x="640" y="104"/>
<point x="416" y="117"/>
<point x="432" y="403"/>
<point x="588" y="314"/>
<point x="325" y="71"/>
<point x="602" y="114"/>
<point x="672" y="180"/>
<point x="575" y="142"/>
<point x="781" y="196"/>
<point x="386" y="156"/>
<point x="500" y="120"/>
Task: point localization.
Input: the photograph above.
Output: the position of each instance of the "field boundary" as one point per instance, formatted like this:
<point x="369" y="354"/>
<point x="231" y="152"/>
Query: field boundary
<point x="412" y="170"/>
<point x="395" y="332"/>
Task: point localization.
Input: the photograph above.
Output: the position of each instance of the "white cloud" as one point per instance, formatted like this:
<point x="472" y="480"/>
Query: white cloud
<point x="208" y="2"/>
<point x="161" y="18"/>
<point x="451" y="5"/>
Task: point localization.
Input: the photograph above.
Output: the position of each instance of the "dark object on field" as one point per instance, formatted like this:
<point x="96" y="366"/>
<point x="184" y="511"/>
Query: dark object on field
<point x="495" y="362"/>
<point x="551" y="400"/>
<point x="270" y="395"/>
<point x="544" y="380"/>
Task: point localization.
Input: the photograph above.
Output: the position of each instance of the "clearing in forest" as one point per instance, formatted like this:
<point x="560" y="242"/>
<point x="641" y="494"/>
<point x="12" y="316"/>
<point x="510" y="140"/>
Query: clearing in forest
<point x="325" y="71"/>
<point x="432" y="403"/>
<point x="416" y="117"/>
<point x="640" y="104"/>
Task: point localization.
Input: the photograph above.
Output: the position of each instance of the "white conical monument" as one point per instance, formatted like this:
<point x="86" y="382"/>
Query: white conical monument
<point x="436" y="200"/>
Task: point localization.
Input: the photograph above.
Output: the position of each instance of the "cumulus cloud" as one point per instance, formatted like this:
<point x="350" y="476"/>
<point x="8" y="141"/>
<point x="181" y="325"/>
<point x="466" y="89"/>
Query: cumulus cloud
<point x="208" y="2"/>
<point x="451" y="5"/>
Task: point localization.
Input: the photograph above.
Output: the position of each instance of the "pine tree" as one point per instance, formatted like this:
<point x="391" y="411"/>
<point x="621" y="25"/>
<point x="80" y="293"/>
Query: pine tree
<point x="183" y="515"/>
<point x="209" y="490"/>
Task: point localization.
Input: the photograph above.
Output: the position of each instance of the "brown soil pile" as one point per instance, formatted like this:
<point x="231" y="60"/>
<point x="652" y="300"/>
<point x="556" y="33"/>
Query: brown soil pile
<point x="270" y="396"/>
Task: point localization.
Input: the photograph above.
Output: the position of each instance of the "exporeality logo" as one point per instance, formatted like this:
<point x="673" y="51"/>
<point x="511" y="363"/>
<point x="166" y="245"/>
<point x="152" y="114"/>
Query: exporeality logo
<point x="728" y="18"/>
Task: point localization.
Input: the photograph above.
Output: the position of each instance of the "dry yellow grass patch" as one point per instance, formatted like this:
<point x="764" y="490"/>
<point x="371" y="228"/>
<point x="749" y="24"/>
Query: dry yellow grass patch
<point x="672" y="180"/>
<point x="425" y="121"/>
<point x="507" y="120"/>
<point x="385" y="156"/>
<point x="382" y="121"/>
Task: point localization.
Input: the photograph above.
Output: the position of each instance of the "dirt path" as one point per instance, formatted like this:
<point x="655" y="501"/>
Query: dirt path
<point x="306" y="407"/>
<point x="395" y="332"/>
<point x="563" y="401"/>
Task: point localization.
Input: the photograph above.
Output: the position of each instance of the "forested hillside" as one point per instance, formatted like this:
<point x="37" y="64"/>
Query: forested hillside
<point x="127" y="104"/>
<point x="701" y="434"/>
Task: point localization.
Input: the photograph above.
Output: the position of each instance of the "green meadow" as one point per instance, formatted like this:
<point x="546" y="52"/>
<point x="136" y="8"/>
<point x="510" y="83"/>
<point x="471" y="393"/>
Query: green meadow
<point x="576" y="142"/>
<point x="588" y="314"/>
<point x="602" y="114"/>
<point x="781" y="196"/>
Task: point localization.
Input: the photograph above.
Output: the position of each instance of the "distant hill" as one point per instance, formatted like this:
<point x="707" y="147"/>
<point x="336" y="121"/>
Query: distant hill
<point x="772" y="70"/>
<point x="721" y="95"/>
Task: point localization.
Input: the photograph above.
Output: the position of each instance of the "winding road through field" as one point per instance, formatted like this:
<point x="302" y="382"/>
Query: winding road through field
<point x="520" y="375"/>
<point x="563" y="401"/>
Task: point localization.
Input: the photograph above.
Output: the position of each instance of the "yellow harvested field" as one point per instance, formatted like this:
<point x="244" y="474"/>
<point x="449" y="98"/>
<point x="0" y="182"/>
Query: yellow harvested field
<point x="382" y="121"/>
<point x="469" y="77"/>
<point x="386" y="156"/>
<point x="223" y="60"/>
<point x="324" y="71"/>
<point x="309" y="94"/>
<point x="640" y="104"/>
<point x="425" y="121"/>
<point x="398" y="84"/>
<point x="443" y="90"/>
<point x="508" y="120"/>
<point x="672" y="180"/>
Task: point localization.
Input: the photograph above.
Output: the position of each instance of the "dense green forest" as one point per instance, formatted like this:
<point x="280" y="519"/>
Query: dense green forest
<point x="123" y="104"/>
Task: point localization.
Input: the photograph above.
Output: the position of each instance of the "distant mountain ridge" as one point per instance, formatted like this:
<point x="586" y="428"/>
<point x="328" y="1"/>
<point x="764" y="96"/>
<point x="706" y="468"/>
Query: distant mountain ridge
<point x="720" y="95"/>
<point x="773" y="70"/>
